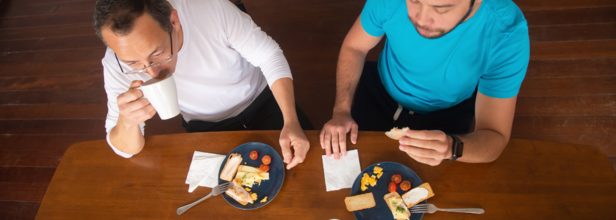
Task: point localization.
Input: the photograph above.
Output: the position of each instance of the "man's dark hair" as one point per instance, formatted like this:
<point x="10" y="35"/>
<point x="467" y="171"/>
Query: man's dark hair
<point x="120" y="15"/>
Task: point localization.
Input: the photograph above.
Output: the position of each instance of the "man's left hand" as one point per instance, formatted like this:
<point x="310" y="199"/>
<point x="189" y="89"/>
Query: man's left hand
<point x="292" y="135"/>
<point x="429" y="147"/>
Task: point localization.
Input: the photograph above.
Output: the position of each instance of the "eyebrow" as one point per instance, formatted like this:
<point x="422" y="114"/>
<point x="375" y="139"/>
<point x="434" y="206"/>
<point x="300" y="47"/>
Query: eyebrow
<point x="442" y="6"/>
<point x="128" y="61"/>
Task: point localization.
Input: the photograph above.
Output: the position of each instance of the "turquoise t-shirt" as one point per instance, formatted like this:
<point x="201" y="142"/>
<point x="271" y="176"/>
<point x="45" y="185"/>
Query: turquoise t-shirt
<point x="490" y="50"/>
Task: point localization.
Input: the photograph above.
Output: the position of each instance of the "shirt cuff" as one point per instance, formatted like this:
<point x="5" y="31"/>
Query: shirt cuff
<point x="118" y="152"/>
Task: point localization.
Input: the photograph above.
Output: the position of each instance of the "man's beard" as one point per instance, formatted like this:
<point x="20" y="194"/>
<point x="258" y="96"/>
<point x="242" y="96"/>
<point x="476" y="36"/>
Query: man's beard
<point x="442" y="32"/>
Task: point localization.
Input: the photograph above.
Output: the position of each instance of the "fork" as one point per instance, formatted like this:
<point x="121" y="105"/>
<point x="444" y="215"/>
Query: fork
<point x="430" y="208"/>
<point x="217" y="190"/>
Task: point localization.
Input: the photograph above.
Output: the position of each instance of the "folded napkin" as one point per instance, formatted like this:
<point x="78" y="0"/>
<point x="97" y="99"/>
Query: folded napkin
<point x="342" y="173"/>
<point x="203" y="170"/>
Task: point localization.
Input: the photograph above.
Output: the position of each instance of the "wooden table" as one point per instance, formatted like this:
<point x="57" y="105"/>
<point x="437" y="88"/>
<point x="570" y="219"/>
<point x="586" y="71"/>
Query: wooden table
<point x="531" y="180"/>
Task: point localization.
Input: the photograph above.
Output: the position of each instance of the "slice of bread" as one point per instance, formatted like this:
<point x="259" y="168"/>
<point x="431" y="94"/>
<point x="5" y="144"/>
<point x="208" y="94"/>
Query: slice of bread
<point x="395" y="194"/>
<point x="359" y="202"/>
<point x="424" y="185"/>
<point x="396" y="133"/>
<point x="228" y="171"/>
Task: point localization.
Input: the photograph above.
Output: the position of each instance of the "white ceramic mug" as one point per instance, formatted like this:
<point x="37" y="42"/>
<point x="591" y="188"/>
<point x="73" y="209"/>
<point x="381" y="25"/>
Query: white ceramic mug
<point x="162" y="94"/>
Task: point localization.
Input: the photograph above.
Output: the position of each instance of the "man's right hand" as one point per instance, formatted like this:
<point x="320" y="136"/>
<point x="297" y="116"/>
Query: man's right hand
<point x="333" y="135"/>
<point x="134" y="110"/>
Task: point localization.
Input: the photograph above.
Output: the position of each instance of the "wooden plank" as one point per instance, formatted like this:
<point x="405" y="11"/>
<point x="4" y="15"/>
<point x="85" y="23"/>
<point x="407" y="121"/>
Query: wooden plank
<point x="575" y="49"/>
<point x="46" y="20"/>
<point x="64" y="126"/>
<point x="613" y="160"/>
<point x="66" y="111"/>
<point x="54" y="56"/>
<point x="47" y="142"/>
<point x="51" y="82"/>
<point x="30" y="158"/>
<point x="67" y="43"/>
<point x="24" y="183"/>
<point x="571" y="67"/>
<point x="59" y="96"/>
<point x="68" y="30"/>
<point x="571" y="16"/>
<point x="51" y="69"/>
<point x="573" y="105"/>
<point x="595" y="85"/>
<point x="576" y="32"/>
<point x="605" y="143"/>
<point x="48" y="9"/>
<point x="18" y="210"/>
<point x="565" y="125"/>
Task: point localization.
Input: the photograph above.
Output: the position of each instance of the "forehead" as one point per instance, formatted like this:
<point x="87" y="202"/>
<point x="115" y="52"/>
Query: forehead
<point x="144" y="38"/>
<point x="442" y="2"/>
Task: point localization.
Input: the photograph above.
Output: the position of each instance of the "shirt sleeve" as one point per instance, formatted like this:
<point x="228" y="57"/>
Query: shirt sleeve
<point x="116" y="83"/>
<point x="374" y="15"/>
<point x="252" y="43"/>
<point x="507" y="67"/>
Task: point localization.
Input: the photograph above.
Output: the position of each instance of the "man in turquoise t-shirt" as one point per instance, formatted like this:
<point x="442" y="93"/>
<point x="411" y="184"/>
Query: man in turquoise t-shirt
<point x="445" y="64"/>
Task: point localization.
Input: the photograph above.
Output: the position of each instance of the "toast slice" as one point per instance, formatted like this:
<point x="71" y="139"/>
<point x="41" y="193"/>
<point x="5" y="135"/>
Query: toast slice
<point x="413" y="201"/>
<point x="398" y="199"/>
<point x="396" y="133"/>
<point x="237" y="192"/>
<point x="359" y="202"/>
<point x="233" y="162"/>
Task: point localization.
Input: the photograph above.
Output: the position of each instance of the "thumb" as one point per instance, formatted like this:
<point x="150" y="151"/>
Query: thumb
<point x="287" y="155"/>
<point x="135" y="84"/>
<point x="354" y="131"/>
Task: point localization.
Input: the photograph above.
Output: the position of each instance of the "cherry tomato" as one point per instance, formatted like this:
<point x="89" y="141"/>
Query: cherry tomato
<point x="405" y="185"/>
<point x="254" y="155"/>
<point x="266" y="159"/>
<point x="396" y="178"/>
<point x="264" y="168"/>
<point x="392" y="187"/>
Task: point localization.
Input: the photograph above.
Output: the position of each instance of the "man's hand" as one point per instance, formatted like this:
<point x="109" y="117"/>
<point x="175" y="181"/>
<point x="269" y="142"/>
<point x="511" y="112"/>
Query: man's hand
<point x="292" y="135"/>
<point x="333" y="135"/>
<point x="133" y="109"/>
<point x="429" y="147"/>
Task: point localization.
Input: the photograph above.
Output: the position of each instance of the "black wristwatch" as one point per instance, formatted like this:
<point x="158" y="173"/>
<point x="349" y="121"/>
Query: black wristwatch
<point x="456" y="148"/>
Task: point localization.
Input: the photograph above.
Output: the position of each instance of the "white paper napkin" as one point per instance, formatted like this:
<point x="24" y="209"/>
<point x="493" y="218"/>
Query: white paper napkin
<point x="203" y="170"/>
<point x="342" y="173"/>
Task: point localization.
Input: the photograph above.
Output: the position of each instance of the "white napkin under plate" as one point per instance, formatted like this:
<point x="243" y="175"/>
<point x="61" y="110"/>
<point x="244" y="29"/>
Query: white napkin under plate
<point x="342" y="173"/>
<point x="203" y="170"/>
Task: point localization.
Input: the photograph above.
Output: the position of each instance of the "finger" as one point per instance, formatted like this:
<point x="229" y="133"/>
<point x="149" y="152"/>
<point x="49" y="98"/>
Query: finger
<point x="150" y="113"/>
<point x="427" y="144"/>
<point x="354" y="132"/>
<point x="129" y="96"/>
<point x="135" y="84"/>
<point x="420" y="152"/>
<point x="335" y="145"/>
<point x="135" y="105"/>
<point x="429" y="161"/>
<point x="300" y="155"/>
<point x="327" y="142"/>
<point x="286" y="150"/>
<point x="342" y="142"/>
<point x="426" y="135"/>
<point x="321" y="137"/>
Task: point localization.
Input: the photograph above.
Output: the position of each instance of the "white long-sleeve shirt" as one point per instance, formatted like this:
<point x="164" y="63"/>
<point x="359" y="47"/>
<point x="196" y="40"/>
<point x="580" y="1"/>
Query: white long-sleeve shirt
<point x="217" y="74"/>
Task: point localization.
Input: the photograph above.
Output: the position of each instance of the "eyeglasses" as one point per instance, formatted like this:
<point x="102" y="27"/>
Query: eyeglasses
<point x="144" y="68"/>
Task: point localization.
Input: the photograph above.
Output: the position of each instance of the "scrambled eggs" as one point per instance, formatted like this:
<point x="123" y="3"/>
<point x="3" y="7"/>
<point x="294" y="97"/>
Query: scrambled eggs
<point x="264" y="200"/>
<point x="253" y="196"/>
<point x="371" y="180"/>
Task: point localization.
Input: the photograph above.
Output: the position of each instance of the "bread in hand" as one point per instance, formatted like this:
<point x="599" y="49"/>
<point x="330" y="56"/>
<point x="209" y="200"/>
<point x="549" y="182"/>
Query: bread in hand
<point x="396" y="133"/>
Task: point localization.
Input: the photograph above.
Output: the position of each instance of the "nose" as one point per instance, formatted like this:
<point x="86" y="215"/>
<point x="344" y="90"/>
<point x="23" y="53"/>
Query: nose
<point x="153" y="71"/>
<point x="423" y="17"/>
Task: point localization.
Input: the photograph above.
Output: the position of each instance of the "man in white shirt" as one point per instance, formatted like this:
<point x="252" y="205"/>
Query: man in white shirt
<point x="222" y="64"/>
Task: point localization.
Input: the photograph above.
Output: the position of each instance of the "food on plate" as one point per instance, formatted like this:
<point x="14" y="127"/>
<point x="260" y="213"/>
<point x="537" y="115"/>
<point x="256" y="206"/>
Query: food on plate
<point x="396" y="133"/>
<point x="367" y="180"/>
<point x="230" y="167"/>
<point x="254" y="155"/>
<point x="266" y="159"/>
<point x="397" y="206"/>
<point x="405" y="185"/>
<point x="264" y="200"/>
<point x="378" y="171"/>
<point x="237" y="192"/>
<point x="392" y="187"/>
<point x="264" y="168"/>
<point x="247" y="189"/>
<point x="359" y="202"/>
<point x="248" y="176"/>
<point x="253" y="196"/>
<point x="396" y="178"/>
<point x="417" y="194"/>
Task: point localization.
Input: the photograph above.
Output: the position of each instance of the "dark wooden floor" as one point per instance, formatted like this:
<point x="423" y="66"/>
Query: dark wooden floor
<point x="51" y="82"/>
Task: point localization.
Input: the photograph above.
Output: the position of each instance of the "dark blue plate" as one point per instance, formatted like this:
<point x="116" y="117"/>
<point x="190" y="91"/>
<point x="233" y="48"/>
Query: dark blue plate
<point x="269" y="188"/>
<point x="381" y="210"/>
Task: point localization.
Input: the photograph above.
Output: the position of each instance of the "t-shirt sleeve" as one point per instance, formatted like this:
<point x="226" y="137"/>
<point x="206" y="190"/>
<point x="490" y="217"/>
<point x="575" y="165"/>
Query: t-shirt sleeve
<point x="373" y="16"/>
<point x="507" y="66"/>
